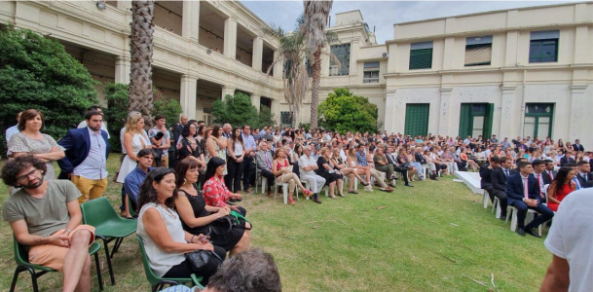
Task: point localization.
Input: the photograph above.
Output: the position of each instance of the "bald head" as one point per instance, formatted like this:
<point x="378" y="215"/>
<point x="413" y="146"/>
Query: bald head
<point x="183" y="119"/>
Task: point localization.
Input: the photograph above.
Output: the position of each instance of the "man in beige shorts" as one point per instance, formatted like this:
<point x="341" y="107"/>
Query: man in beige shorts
<point x="45" y="216"/>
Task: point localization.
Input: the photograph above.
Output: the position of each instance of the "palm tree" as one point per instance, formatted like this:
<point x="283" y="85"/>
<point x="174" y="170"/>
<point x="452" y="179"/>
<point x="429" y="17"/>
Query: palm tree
<point x="316" y="14"/>
<point x="140" y="89"/>
<point x="294" y="74"/>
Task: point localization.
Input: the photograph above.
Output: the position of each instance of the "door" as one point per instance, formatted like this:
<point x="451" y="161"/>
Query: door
<point x="475" y="119"/>
<point x="417" y="119"/>
<point x="538" y="120"/>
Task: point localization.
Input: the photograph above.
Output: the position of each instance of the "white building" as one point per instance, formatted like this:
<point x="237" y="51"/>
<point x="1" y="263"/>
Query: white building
<point x="518" y="72"/>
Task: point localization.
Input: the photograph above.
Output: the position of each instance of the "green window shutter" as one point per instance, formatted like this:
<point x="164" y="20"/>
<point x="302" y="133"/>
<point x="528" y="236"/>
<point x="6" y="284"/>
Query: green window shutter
<point x="465" y="120"/>
<point x="421" y="59"/>
<point x="488" y="118"/>
<point x="417" y="119"/>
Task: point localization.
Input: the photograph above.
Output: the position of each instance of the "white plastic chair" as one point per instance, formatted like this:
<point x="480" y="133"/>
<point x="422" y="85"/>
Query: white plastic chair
<point x="512" y="212"/>
<point x="284" y="191"/>
<point x="486" y="199"/>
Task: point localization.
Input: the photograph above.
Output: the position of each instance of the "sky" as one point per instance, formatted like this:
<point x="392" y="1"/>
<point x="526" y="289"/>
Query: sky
<point x="383" y="14"/>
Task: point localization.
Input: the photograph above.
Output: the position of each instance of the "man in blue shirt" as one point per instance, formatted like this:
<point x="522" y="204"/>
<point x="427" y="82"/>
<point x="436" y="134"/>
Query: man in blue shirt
<point x="135" y="179"/>
<point x="250" y="147"/>
<point x="361" y="160"/>
<point x="14" y="129"/>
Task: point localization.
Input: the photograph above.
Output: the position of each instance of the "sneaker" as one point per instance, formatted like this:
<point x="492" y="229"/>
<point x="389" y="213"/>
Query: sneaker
<point x="387" y="190"/>
<point x="353" y="192"/>
<point x="368" y="188"/>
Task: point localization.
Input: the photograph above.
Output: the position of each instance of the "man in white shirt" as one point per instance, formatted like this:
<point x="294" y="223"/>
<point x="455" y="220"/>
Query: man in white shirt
<point x="467" y="140"/>
<point x="569" y="241"/>
<point x="14" y="129"/>
<point x="307" y="167"/>
<point x="103" y="125"/>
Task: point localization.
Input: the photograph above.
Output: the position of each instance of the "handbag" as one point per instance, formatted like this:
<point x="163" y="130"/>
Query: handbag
<point x="200" y="259"/>
<point x="224" y="225"/>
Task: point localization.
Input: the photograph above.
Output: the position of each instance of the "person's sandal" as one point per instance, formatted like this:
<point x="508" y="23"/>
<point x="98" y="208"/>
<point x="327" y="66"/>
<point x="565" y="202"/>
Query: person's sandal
<point x="307" y="193"/>
<point x="291" y="201"/>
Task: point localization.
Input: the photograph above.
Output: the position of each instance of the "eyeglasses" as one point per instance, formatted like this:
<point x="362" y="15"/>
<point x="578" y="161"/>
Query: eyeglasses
<point x="25" y="177"/>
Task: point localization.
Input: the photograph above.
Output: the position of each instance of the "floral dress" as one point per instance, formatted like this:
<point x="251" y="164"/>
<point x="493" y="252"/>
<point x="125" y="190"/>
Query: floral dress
<point x="20" y="142"/>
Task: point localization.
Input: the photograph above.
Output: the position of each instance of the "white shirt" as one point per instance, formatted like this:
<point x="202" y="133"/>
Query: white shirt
<point x="570" y="238"/>
<point x="305" y="161"/>
<point x="94" y="165"/>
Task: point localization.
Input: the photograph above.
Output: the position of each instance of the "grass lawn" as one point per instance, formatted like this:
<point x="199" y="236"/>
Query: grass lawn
<point x="434" y="237"/>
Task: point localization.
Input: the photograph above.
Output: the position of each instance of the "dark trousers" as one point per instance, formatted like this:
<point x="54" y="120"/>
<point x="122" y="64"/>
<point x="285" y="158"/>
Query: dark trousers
<point x="233" y="178"/>
<point x="185" y="268"/>
<point x="490" y="191"/>
<point x="502" y="197"/>
<point x="403" y="171"/>
<point x="247" y="163"/>
<point x="545" y="214"/>
<point x="269" y="176"/>
<point x="172" y="158"/>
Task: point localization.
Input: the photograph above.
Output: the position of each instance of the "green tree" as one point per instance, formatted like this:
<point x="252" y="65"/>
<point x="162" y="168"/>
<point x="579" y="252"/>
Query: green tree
<point x="38" y="73"/>
<point x="236" y="110"/>
<point x="266" y="117"/>
<point x="343" y="111"/>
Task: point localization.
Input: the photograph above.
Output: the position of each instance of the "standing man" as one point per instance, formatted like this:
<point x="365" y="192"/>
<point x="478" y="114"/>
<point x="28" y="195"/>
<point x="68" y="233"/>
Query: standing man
<point x="14" y="129"/>
<point x="85" y="162"/>
<point x="569" y="240"/>
<point x="176" y="129"/>
<point x="523" y="193"/>
<point x="250" y="148"/>
<point x="227" y="130"/>
<point x="45" y="216"/>
<point x="97" y="108"/>
<point x="307" y="167"/>
<point x="264" y="159"/>
<point x="159" y="136"/>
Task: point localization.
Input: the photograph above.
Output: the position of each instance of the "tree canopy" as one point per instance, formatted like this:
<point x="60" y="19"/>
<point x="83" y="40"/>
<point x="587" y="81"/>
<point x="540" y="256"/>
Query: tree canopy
<point x="238" y="110"/>
<point x="343" y="111"/>
<point x="38" y="73"/>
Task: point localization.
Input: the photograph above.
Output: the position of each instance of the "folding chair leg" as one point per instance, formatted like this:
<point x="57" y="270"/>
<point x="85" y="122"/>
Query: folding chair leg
<point x="99" y="276"/>
<point x="108" y="257"/>
<point x="285" y="194"/>
<point x="15" y="278"/>
<point x="116" y="246"/>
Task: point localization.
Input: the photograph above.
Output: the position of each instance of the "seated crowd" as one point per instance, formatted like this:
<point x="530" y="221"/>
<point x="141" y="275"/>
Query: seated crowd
<point x="183" y="183"/>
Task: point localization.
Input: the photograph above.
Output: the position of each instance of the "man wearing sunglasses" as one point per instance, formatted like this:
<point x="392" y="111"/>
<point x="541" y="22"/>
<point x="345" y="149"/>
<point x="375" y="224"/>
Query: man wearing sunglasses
<point x="45" y="216"/>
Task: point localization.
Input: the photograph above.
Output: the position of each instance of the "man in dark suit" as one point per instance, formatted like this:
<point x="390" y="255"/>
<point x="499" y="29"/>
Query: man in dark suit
<point x="499" y="177"/>
<point x="264" y="159"/>
<point x="584" y="175"/>
<point x="539" y="168"/>
<point x="485" y="172"/>
<point x="568" y="158"/>
<point x="577" y="146"/>
<point x="523" y="193"/>
<point x="176" y="129"/>
<point x="86" y="157"/>
<point x="550" y="172"/>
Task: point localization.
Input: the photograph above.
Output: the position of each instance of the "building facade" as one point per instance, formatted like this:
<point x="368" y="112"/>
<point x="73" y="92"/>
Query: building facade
<point x="518" y="72"/>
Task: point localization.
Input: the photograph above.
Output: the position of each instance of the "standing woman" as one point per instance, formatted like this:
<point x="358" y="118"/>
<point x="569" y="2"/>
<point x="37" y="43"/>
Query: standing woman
<point x="216" y="144"/>
<point x="135" y="139"/>
<point x="282" y="170"/>
<point x="190" y="146"/>
<point x="235" y="162"/>
<point x="561" y="186"/>
<point x="161" y="231"/>
<point x="30" y="141"/>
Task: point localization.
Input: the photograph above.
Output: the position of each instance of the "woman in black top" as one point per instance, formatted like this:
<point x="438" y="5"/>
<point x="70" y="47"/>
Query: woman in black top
<point x="326" y="170"/>
<point x="196" y="216"/>
<point x="190" y="146"/>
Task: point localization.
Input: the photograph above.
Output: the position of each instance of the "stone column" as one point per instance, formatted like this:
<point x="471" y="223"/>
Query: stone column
<point x="579" y="114"/>
<point x="511" y="48"/>
<point x="279" y="64"/>
<point x="448" y="53"/>
<point x="122" y="69"/>
<point x="190" y="27"/>
<point x="444" y="116"/>
<point x="188" y="94"/>
<point x="256" y="100"/>
<point x="354" y="46"/>
<point x="508" y="108"/>
<point x="230" y="38"/>
<point x="390" y="123"/>
<point x="227" y="90"/>
<point x="258" y="51"/>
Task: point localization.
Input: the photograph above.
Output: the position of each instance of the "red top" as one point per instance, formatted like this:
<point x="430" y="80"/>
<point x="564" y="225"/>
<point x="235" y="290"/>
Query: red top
<point x="216" y="193"/>
<point x="560" y="195"/>
<point x="281" y="165"/>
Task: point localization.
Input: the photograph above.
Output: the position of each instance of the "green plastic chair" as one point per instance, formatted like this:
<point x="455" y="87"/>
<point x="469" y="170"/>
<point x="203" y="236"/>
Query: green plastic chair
<point x="21" y="257"/>
<point x="108" y="225"/>
<point x="157" y="282"/>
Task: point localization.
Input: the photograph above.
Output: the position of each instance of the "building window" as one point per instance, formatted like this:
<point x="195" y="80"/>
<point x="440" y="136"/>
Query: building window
<point x="342" y="53"/>
<point x="538" y="120"/>
<point x="544" y="46"/>
<point x="421" y="56"/>
<point x="417" y="119"/>
<point x="371" y="72"/>
<point x="478" y="51"/>
<point x="475" y="119"/>
<point x="286" y="118"/>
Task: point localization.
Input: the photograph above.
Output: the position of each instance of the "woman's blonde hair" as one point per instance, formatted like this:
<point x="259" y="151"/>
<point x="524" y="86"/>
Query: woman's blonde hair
<point x="323" y="151"/>
<point x="131" y="123"/>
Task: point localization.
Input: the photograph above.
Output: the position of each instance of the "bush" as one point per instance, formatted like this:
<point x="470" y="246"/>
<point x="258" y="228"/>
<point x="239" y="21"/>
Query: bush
<point x="117" y="111"/>
<point x="38" y="73"/>
<point x="343" y="111"/>
<point x="235" y="110"/>
<point x="266" y="117"/>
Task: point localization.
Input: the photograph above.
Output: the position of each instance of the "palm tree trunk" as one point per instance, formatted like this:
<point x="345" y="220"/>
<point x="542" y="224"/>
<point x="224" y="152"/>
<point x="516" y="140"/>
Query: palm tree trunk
<point x="316" y="71"/>
<point x="140" y="89"/>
